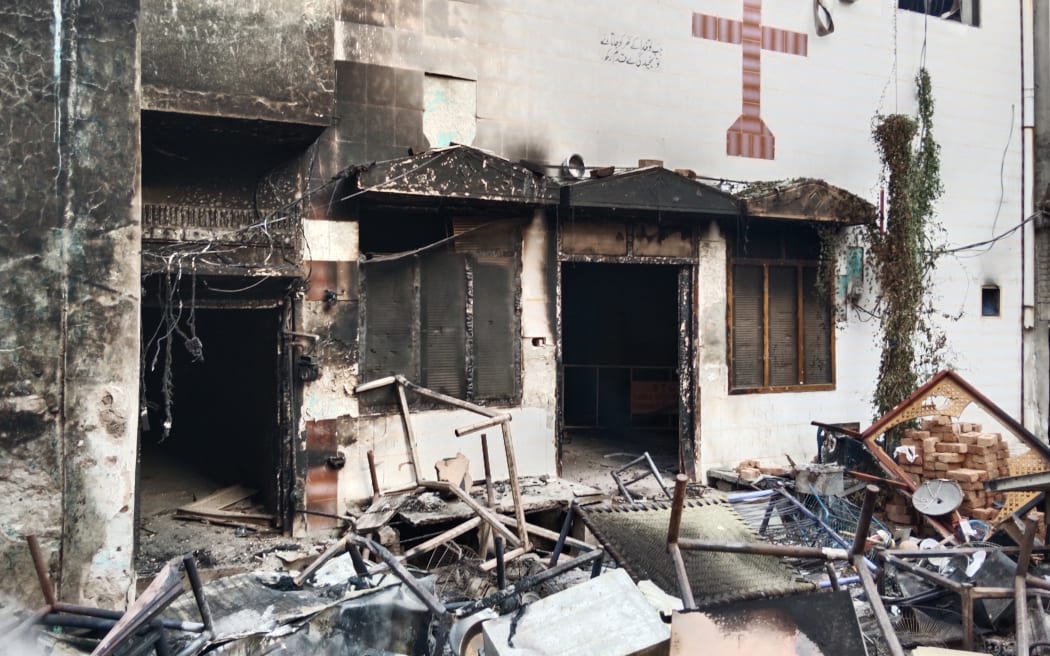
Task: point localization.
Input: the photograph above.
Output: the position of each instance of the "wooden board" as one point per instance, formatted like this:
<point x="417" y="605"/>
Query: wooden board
<point x="380" y="512"/>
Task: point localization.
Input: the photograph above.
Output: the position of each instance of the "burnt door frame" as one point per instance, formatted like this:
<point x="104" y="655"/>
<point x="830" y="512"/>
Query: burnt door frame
<point x="687" y="267"/>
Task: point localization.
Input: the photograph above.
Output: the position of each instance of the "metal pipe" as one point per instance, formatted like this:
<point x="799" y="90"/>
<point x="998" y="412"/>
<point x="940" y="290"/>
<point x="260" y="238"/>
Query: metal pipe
<point x="429" y="600"/>
<point x="529" y="582"/>
<point x="198" y="592"/>
<point x="501" y="570"/>
<point x="685" y="588"/>
<point x="932" y="577"/>
<point x="877" y="608"/>
<point x="74" y="609"/>
<point x="373" y="474"/>
<point x="482" y="425"/>
<point x="833" y="577"/>
<point x="490" y="492"/>
<point x="596" y="568"/>
<point x="678" y="501"/>
<point x="966" y="600"/>
<point x="375" y="384"/>
<point x="566" y="526"/>
<point x="41" y="570"/>
<point x="765" y="549"/>
<point x="866" y="509"/>
<point x="1021" y="632"/>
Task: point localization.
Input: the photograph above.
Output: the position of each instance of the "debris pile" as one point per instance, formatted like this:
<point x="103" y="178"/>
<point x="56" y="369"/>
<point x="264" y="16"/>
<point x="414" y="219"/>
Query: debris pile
<point x="957" y="451"/>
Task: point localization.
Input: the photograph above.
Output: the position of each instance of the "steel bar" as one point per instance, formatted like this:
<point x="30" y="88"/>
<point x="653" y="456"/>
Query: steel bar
<point x="596" y="568"/>
<point x="515" y="486"/>
<point x="767" y="515"/>
<point x="40" y="565"/>
<point x="548" y="534"/>
<point x="832" y="533"/>
<point x="501" y="569"/>
<point x="410" y="435"/>
<point x="684" y="587"/>
<point x="482" y="425"/>
<point x="445" y="398"/>
<point x="932" y="577"/>
<point x="833" y="577"/>
<point x="429" y="600"/>
<point x="490" y="491"/>
<point x="74" y="609"/>
<point x="360" y="566"/>
<point x="966" y="600"/>
<point x="375" y="384"/>
<point x="656" y="474"/>
<point x="1021" y="630"/>
<point x="529" y="582"/>
<point x="883" y="619"/>
<point x="765" y="549"/>
<point x="956" y="551"/>
<point x="198" y="593"/>
<point x="566" y="526"/>
<point x="325" y="556"/>
<point x="373" y="474"/>
<point x="483" y="512"/>
<point x="508" y="556"/>
<point x="442" y="538"/>
<point x="866" y="509"/>
<point x="678" y="501"/>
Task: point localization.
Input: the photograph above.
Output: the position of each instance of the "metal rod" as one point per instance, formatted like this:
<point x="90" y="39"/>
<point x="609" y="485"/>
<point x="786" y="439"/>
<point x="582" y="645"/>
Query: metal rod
<point x="685" y="588"/>
<point x="410" y="435"/>
<point x="596" y="568"/>
<point x="490" y="491"/>
<point x="877" y="608"/>
<point x="360" y="566"/>
<point x="932" y="577"/>
<point x="833" y="577"/>
<point x="656" y="474"/>
<point x="375" y="384"/>
<point x="866" y="509"/>
<point x="445" y="398"/>
<point x="515" y="486"/>
<point x="501" y="570"/>
<point x="483" y="512"/>
<point x="680" y="481"/>
<point x="529" y="582"/>
<point x="325" y="556"/>
<point x="548" y="534"/>
<point x="373" y="474"/>
<point x="198" y="592"/>
<point x="429" y="600"/>
<point x="482" y="425"/>
<point x="1021" y="632"/>
<point x="442" y="538"/>
<point x="74" y="609"/>
<point x="765" y="549"/>
<point x="41" y="570"/>
<point x="966" y="600"/>
<point x="566" y="526"/>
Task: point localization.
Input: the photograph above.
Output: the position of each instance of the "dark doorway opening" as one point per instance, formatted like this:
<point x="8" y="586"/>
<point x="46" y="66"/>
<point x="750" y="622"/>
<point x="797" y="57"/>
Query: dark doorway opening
<point x="209" y="422"/>
<point x="620" y="351"/>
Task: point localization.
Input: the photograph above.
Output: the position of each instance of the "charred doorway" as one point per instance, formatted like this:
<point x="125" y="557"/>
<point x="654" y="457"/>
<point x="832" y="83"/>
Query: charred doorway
<point x="214" y="401"/>
<point x="620" y="357"/>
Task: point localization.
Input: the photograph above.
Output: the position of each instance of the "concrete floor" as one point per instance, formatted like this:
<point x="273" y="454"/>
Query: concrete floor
<point x="589" y="457"/>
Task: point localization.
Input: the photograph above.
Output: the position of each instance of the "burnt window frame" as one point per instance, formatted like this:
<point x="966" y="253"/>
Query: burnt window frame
<point x="473" y="253"/>
<point x="797" y="247"/>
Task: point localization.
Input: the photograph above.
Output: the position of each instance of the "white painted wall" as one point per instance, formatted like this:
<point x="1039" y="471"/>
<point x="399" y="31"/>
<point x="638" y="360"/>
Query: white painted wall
<point x="544" y="90"/>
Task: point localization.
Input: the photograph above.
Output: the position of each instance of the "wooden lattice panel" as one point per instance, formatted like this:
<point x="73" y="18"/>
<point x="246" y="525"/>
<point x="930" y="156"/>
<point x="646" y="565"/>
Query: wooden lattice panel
<point x="1029" y="462"/>
<point x="953" y="400"/>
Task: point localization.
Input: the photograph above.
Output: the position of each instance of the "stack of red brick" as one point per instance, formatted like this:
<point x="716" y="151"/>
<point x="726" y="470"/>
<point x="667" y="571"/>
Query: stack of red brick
<point x="955" y="451"/>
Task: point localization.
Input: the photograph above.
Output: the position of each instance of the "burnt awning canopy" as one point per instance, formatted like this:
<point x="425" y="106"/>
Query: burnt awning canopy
<point x="806" y="199"/>
<point x="456" y="172"/>
<point x="649" y="189"/>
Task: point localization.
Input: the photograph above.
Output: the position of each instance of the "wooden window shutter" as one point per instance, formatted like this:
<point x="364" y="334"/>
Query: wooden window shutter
<point x="783" y="326"/>
<point x="816" y="325"/>
<point x="443" y="324"/>
<point x="747" y="326"/>
<point x="390" y="317"/>
<point x="496" y="332"/>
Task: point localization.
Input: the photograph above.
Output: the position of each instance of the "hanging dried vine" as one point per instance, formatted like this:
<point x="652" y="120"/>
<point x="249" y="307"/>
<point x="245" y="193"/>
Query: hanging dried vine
<point x="901" y="255"/>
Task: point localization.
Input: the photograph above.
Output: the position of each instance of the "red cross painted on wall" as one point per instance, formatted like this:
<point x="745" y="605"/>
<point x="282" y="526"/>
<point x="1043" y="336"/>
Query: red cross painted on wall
<point x="749" y="136"/>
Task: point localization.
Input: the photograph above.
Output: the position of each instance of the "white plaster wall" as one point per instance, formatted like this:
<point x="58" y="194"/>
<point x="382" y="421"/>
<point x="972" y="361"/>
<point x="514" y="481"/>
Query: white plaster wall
<point x="544" y="90"/>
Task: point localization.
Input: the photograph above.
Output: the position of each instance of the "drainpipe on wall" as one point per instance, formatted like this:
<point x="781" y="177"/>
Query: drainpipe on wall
<point x="1027" y="196"/>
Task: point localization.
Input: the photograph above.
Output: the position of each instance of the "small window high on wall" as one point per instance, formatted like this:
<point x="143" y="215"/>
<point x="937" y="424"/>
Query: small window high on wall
<point x="780" y="327"/>
<point x="963" y="11"/>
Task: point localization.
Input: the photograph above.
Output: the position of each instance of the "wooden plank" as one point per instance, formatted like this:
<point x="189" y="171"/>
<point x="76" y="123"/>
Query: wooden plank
<point x="441" y="539"/>
<point x="222" y="514"/>
<point x="406" y="417"/>
<point x="480" y="510"/>
<point x="546" y="533"/>
<point x="227" y="496"/>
